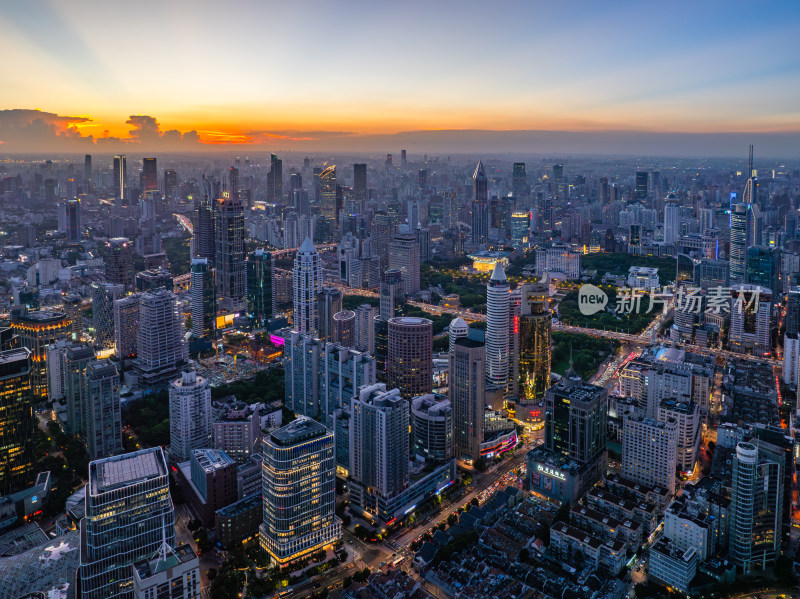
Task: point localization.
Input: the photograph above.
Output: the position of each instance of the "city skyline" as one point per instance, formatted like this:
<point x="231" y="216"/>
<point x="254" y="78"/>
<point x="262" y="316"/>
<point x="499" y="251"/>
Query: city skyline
<point x="523" y="76"/>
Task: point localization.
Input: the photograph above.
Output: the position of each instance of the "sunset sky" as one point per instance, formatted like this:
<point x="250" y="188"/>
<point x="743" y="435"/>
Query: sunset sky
<point x="297" y="73"/>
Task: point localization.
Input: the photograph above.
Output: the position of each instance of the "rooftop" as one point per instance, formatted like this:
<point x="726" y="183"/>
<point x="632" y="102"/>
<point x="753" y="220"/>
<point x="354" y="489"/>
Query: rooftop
<point x="126" y="469"/>
<point x="211" y="459"/>
<point x="298" y="431"/>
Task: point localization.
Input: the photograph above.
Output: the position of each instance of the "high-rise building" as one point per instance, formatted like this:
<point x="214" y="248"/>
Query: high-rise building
<point x="329" y="303"/>
<point x="204" y="236"/>
<point x="161" y="349"/>
<point x="687" y="415"/>
<point x="120" y="179"/>
<point x="103" y="418"/>
<point x="359" y="183"/>
<point x="37" y="330"/>
<point x="391" y="292"/>
<point x="275" y="179"/>
<point x="649" y="451"/>
<point x="641" y="185"/>
<point x="307" y="283"/>
<point x="519" y="181"/>
<point x="170" y="185"/>
<point x="535" y="339"/>
<point x="365" y="328"/>
<point x="17" y="423"/>
<point x="173" y="573"/>
<point x="404" y="256"/>
<point x="126" y="323"/>
<point x="409" y="361"/>
<point x="299" y="491"/>
<point x="497" y="333"/>
<point x="229" y="263"/>
<point x="203" y="298"/>
<point x="189" y="415"/>
<point x="751" y="327"/>
<point x="344" y="328"/>
<point x="119" y="262"/>
<point x="72" y="305"/>
<point x="763" y="266"/>
<point x="467" y="397"/>
<point x="458" y="328"/>
<point x="87" y="168"/>
<point x="327" y="193"/>
<point x="73" y="208"/>
<point x="76" y="358"/>
<point x="756" y="508"/>
<point x="378" y="446"/>
<point x="480" y="205"/>
<point x="431" y="429"/>
<point x="259" y="287"/>
<point x="149" y="174"/>
<point x="739" y="237"/>
<point x="129" y="515"/>
<point x="672" y="220"/>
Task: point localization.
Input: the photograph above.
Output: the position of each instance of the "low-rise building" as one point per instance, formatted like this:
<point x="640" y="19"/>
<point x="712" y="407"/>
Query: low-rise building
<point x="170" y="574"/>
<point x="570" y="544"/>
<point x="672" y="565"/>
<point x="238" y="521"/>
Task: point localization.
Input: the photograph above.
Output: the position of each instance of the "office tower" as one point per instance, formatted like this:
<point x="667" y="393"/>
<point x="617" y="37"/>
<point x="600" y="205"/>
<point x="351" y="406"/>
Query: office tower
<point x="17" y="422"/>
<point x="275" y="179"/>
<point x="55" y="369"/>
<point x="204" y="237"/>
<point x="103" y="418"/>
<point x="409" y="361"/>
<point x="359" y="184"/>
<point x="172" y="573"/>
<point x="170" y="185"/>
<point x="391" y="292"/>
<point x="161" y="350"/>
<point x="458" y="329"/>
<point x="378" y="446"/>
<point x="466" y="392"/>
<point x="792" y="319"/>
<point x="687" y="415"/>
<point x="233" y="181"/>
<point x="404" y="256"/>
<point x="203" y="299"/>
<point x="329" y="302"/>
<point x="672" y="220"/>
<point x="480" y="205"/>
<point x="73" y="308"/>
<point x="535" y="340"/>
<point x="344" y="328"/>
<point x="327" y="193"/>
<point x="763" y="265"/>
<point x="756" y="509"/>
<point x="641" y="186"/>
<point x="381" y="235"/>
<point x="120" y="179"/>
<point x="209" y="481"/>
<point x="229" y="263"/>
<point x="189" y="415"/>
<point x="751" y="328"/>
<point x="149" y="175"/>
<point x="259" y="287"/>
<point x="365" y="328"/>
<point x="431" y="429"/>
<point x="126" y="322"/>
<point x="119" y="262"/>
<point x="307" y="283"/>
<point x="738" y="243"/>
<point x="750" y="193"/>
<point x="75" y="359"/>
<point x="520" y="230"/>
<point x="649" y="451"/>
<point x="298" y="490"/>
<point x="37" y="330"/>
<point x="497" y="333"/>
<point x="402" y="157"/>
<point x="129" y="515"/>
<point x="87" y="168"/>
<point x="295" y="181"/>
<point x="519" y="181"/>
<point x="73" y="208"/>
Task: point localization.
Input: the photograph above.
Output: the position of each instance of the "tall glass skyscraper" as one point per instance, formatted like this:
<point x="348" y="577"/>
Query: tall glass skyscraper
<point x="16" y="421"/>
<point x="738" y="247"/>
<point x="230" y="250"/>
<point x="497" y="334"/>
<point x="307" y="282"/>
<point x="535" y="328"/>
<point x="203" y="299"/>
<point x="259" y="287"/>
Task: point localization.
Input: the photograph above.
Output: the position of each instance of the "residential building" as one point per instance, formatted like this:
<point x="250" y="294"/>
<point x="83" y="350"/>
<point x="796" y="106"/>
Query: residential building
<point x="161" y="349"/>
<point x="649" y="451"/>
<point x="307" y="283"/>
<point x="189" y="415"/>
<point x="431" y="429"/>
<point x="467" y="397"/>
<point x="409" y="363"/>
<point x="229" y="262"/>
<point x="102" y="410"/>
<point x="126" y="323"/>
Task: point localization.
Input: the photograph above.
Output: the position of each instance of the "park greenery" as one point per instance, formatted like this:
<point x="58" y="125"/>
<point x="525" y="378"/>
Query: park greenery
<point x="587" y="352"/>
<point x="619" y="264"/>
<point x="631" y="321"/>
<point x="178" y="251"/>
<point x="470" y="290"/>
<point x="65" y="457"/>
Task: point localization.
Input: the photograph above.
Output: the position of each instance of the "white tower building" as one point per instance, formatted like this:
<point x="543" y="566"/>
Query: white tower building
<point x="672" y="220"/>
<point x="307" y="284"/>
<point x="497" y="334"/>
<point x="189" y="415"/>
<point x="458" y="328"/>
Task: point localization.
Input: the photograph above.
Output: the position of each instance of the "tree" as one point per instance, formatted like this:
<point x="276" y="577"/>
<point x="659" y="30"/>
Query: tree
<point x="474" y="501"/>
<point x="480" y="465"/>
<point x="452" y="519"/>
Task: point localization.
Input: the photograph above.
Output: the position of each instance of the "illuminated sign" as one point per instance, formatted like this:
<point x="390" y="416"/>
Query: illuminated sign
<point x="551" y="472"/>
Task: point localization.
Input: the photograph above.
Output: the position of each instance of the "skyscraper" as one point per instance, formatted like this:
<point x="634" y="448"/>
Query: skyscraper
<point x="649" y="451"/>
<point x="751" y="324"/>
<point x="763" y="266"/>
<point x="327" y="193"/>
<point x="497" y="333"/>
<point x="467" y="397"/>
<point x="126" y="322"/>
<point x="329" y="302"/>
<point x="73" y="220"/>
<point x="307" y="283"/>
<point x="458" y="328"/>
<point x="229" y="263"/>
<point x="203" y="299"/>
<point x="129" y="514"/>
<point x="259" y="287"/>
<point x="365" y="328"/>
<point x="161" y="350"/>
<point x="359" y="184"/>
<point x="120" y="179"/>
<point x="76" y="357"/>
<point x="204" y="237"/>
<point x="189" y="415"/>
<point x="739" y="243"/>
<point x="672" y="220"/>
<point x="119" y="262"/>
<point x="298" y="490"/>
<point x="275" y="179"/>
<point x="390" y="292"/>
<point x="535" y="340"/>
<point x="88" y="177"/>
<point x="36" y="331"/>
<point x="409" y="362"/>
<point x="519" y="181"/>
<point x="480" y="207"/>
<point x="149" y="175"/>
<point x="17" y="423"/>
<point x="103" y="418"/>
<point x="641" y="185"/>
<point x="404" y="256"/>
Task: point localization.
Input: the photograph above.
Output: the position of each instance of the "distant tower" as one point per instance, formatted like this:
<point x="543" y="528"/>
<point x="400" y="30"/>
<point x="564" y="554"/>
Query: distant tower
<point x="259" y="287"/>
<point x="230" y="266"/>
<point x="497" y="334"/>
<point x="73" y="220"/>
<point x="120" y="178"/>
<point x="327" y="193"/>
<point x="307" y="282"/>
<point x="672" y="220"/>
<point x="404" y="256"/>
<point x="641" y="185"/>
<point x="87" y="168"/>
<point x="275" y="179"/>
<point x="519" y="181"/>
<point x="119" y="262"/>
<point x="204" y="237"/>
<point x="359" y="183"/>
<point x="738" y="244"/>
<point x="149" y="175"/>
<point x="391" y="292"/>
<point x="203" y="299"/>
<point x="480" y="206"/>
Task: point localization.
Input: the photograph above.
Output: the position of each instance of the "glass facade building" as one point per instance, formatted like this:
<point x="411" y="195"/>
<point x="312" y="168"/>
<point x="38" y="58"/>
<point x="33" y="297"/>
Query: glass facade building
<point x="16" y="421"/>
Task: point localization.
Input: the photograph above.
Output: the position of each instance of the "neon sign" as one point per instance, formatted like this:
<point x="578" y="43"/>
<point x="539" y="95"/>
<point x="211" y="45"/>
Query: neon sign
<point x="551" y="472"/>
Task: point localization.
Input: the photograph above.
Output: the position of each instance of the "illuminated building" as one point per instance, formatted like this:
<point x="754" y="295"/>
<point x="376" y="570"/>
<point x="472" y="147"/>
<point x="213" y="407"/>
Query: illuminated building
<point x="519" y="181"/>
<point x="559" y="261"/>
<point x="73" y="220"/>
<point x="172" y="573"/>
<point x="687" y="415"/>
<point x="37" y="330"/>
<point x="126" y="321"/>
<point x="119" y="262"/>
<point x="103" y="418"/>
<point x="404" y="256"/>
<point x="486" y="261"/>
<point x="259" y="287"/>
<point x="307" y="283"/>
<point x="327" y="193"/>
<point x="129" y="514"/>
<point x="641" y="185"/>
<point x="739" y="242"/>
<point x="208" y="480"/>
<point x="750" y="310"/>
<point x="431" y="429"/>
<point x="497" y="333"/>
<point x="467" y="396"/>
<point x="299" y="491"/>
<point x="103" y="297"/>
<point x="274" y="179"/>
<point x="204" y="236"/>
<point x="17" y="423"/>
<point x="480" y="206"/>
<point x="75" y="359"/>
<point x="189" y="415"/>
<point x="229" y="262"/>
<point x="672" y="220"/>
<point x="344" y="328"/>
<point x="329" y="303"/>
<point x="535" y="340"/>
<point x="763" y="265"/>
<point x="161" y="350"/>
<point x="649" y="451"/>
<point x="120" y="179"/>
<point x="149" y="174"/>
<point x="520" y="229"/>
<point x="409" y="361"/>
<point x="203" y="299"/>
<point x="458" y="328"/>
